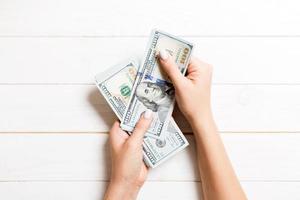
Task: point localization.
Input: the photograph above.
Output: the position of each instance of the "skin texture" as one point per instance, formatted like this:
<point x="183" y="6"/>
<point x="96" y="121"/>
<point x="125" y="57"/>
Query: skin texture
<point x="128" y="169"/>
<point x="218" y="180"/>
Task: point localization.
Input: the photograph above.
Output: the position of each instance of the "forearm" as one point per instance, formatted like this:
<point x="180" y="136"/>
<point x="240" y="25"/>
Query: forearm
<point x="217" y="175"/>
<point x="117" y="191"/>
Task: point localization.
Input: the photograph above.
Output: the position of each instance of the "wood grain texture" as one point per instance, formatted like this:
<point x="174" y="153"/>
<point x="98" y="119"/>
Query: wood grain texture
<point x="134" y="17"/>
<point x="81" y="108"/>
<point x="238" y="60"/>
<point x="94" y="190"/>
<point x="167" y="190"/>
<point x="85" y="157"/>
<point x="51" y="50"/>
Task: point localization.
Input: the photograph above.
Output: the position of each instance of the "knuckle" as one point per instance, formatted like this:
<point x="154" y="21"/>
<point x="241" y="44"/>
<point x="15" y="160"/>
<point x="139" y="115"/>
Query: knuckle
<point x="168" y="68"/>
<point x="141" y="125"/>
<point x="117" y="123"/>
<point x="169" y="65"/>
<point x="131" y="144"/>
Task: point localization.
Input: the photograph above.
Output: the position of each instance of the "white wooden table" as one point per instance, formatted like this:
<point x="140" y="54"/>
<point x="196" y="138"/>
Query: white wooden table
<point x="54" y="123"/>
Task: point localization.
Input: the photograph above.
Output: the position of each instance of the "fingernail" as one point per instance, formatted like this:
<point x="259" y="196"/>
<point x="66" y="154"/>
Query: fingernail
<point x="148" y="114"/>
<point x="163" y="54"/>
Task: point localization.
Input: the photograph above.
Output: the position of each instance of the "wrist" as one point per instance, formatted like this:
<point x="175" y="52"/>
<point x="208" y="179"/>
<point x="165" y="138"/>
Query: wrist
<point x="121" y="191"/>
<point x="200" y="117"/>
<point x="202" y="123"/>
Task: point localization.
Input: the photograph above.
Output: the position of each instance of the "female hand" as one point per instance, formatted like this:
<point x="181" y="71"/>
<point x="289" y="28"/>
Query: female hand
<point x="218" y="179"/>
<point x="128" y="169"/>
<point x="193" y="90"/>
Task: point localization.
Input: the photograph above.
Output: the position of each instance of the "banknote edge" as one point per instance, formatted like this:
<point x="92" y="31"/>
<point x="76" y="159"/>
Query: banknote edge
<point x="186" y="144"/>
<point x="149" y="43"/>
<point x="191" y="45"/>
<point x="106" y="74"/>
<point x="124" y="126"/>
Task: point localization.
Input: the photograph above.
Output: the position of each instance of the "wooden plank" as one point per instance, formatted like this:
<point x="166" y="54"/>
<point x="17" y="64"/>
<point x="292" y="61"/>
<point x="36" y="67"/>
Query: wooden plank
<point x="81" y="108"/>
<point x="272" y="190"/>
<point x="94" y="190"/>
<point x="151" y="190"/>
<point x="134" y="17"/>
<point x="76" y="60"/>
<point x="85" y="157"/>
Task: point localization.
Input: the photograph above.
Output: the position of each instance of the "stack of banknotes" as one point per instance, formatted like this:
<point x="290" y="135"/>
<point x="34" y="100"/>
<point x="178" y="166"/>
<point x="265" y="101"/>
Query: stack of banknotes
<point x="134" y="85"/>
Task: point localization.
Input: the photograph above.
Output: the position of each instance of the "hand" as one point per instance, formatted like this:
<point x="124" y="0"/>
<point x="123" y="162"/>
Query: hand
<point x="128" y="169"/>
<point x="192" y="91"/>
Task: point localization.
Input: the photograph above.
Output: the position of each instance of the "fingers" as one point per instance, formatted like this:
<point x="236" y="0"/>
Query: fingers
<point x="171" y="68"/>
<point x="197" y="65"/>
<point x="141" y="128"/>
<point x="117" y="136"/>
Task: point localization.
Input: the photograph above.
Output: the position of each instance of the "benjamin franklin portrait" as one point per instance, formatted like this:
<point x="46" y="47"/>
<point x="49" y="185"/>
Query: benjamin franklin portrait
<point x="154" y="96"/>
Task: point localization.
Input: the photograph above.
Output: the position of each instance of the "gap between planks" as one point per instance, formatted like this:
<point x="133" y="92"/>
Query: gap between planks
<point x="149" y="181"/>
<point x="185" y="133"/>
<point x="93" y="84"/>
<point x="146" y="36"/>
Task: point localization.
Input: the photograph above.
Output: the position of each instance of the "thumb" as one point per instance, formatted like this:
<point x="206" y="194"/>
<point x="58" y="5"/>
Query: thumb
<point x="171" y="68"/>
<point x="141" y="128"/>
<point x="117" y="136"/>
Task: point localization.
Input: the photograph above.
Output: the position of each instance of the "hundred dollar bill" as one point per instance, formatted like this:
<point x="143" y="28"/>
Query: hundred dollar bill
<point x="115" y="85"/>
<point x="153" y="90"/>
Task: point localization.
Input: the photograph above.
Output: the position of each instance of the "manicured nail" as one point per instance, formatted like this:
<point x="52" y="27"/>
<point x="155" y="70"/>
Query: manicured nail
<point x="163" y="54"/>
<point x="148" y="114"/>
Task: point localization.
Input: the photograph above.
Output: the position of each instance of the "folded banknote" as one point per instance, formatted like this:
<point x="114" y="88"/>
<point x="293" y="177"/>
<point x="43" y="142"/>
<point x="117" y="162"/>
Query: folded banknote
<point x="116" y="86"/>
<point x="152" y="89"/>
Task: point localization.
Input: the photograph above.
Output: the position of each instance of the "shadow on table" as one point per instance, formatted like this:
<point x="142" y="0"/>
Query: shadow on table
<point x="107" y="117"/>
<point x="104" y="112"/>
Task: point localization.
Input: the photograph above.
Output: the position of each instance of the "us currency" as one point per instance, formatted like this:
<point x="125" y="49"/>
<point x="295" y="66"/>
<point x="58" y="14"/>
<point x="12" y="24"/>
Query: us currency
<point x="115" y="85"/>
<point x="153" y="90"/>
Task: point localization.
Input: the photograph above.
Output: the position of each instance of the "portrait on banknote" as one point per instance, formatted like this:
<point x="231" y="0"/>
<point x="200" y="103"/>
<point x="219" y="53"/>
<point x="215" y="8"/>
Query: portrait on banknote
<point x="156" y="96"/>
<point x="116" y="83"/>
